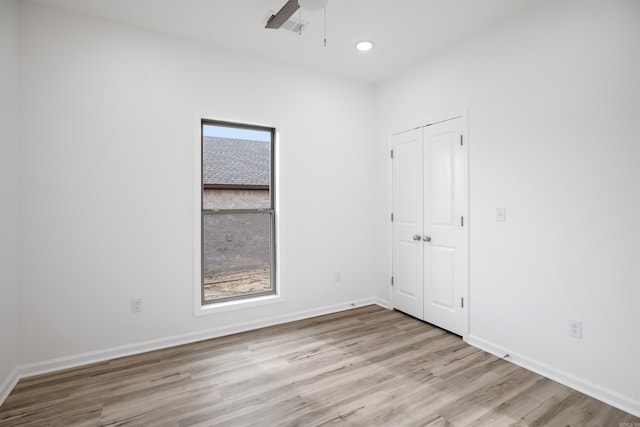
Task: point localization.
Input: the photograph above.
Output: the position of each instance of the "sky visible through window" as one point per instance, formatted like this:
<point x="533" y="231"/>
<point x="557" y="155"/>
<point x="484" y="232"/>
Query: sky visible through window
<point x="236" y="133"/>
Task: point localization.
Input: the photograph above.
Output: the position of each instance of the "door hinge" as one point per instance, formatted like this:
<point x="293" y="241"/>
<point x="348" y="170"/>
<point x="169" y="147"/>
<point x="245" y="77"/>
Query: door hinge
<point x="391" y="280"/>
<point x="392" y="154"/>
<point x="461" y="302"/>
<point x="461" y="139"/>
<point x="461" y="221"/>
<point x="392" y="217"/>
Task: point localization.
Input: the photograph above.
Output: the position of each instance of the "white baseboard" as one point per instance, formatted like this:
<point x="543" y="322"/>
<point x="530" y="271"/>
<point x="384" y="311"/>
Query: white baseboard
<point x="382" y="303"/>
<point x="603" y="394"/>
<point x="8" y="384"/>
<point x="61" y="363"/>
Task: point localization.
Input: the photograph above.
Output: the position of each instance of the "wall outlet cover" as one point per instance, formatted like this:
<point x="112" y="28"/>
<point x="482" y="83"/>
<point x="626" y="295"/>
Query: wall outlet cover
<point x="501" y="214"/>
<point x="575" y="328"/>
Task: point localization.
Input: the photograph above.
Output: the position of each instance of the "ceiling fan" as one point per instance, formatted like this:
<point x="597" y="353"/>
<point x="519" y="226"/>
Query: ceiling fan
<point x="290" y="7"/>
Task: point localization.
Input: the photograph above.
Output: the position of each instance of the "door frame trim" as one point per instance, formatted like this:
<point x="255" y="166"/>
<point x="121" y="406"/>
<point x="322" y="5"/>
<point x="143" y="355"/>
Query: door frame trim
<point x="463" y="114"/>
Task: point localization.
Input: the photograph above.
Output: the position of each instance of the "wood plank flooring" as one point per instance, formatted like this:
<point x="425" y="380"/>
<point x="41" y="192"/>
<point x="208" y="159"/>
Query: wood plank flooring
<point x="363" y="367"/>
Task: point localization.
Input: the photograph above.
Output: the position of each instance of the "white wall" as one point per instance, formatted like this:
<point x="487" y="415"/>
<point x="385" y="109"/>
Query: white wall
<point x="106" y="184"/>
<point x="554" y="102"/>
<point x="108" y="123"/>
<point x="8" y="192"/>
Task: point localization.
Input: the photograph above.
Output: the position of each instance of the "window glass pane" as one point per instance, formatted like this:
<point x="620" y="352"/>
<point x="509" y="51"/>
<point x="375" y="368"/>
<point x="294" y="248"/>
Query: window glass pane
<point x="236" y="254"/>
<point x="237" y="247"/>
<point x="236" y="168"/>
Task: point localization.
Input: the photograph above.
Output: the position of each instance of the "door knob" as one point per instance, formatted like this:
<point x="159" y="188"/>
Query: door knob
<point x="416" y="237"/>
<point x="427" y="238"/>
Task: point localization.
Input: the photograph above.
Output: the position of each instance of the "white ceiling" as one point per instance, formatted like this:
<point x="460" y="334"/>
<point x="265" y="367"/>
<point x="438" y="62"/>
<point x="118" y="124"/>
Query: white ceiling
<point x="404" y="31"/>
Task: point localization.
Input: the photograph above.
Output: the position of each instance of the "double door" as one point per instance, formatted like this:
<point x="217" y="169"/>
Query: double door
<point x="430" y="225"/>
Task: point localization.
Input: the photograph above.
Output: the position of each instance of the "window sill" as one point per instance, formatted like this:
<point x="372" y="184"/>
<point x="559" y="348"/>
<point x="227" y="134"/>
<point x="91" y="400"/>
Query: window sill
<point x="241" y="304"/>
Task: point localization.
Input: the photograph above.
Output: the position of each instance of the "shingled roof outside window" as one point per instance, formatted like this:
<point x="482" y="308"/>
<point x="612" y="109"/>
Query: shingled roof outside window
<point x="235" y="163"/>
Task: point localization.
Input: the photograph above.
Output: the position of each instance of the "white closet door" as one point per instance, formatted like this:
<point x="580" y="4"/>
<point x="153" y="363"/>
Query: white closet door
<point x="445" y="238"/>
<point x="408" y="289"/>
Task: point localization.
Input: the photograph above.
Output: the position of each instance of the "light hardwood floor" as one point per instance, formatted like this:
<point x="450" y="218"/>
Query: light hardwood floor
<point x="363" y="367"/>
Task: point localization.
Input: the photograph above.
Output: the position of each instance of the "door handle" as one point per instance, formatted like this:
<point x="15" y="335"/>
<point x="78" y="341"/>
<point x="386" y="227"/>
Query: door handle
<point x="416" y="237"/>
<point x="427" y="238"/>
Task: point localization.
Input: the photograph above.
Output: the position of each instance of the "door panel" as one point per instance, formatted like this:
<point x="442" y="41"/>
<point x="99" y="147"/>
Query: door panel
<point x="408" y="288"/>
<point x="440" y="170"/>
<point x="410" y="262"/>
<point x="406" y="151"/>
<point x="441" y="277"/>
<point x="445" y="256"/>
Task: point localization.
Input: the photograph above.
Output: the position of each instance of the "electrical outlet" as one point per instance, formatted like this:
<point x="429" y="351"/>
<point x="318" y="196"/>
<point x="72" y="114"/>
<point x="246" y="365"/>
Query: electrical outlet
<point x="136" y="305"/>
<point x="575" y="328"/>
<point x="501" y="214"/>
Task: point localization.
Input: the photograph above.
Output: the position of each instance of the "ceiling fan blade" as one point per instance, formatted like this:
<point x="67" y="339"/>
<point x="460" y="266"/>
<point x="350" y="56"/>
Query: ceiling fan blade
<point x="283" y="14"/>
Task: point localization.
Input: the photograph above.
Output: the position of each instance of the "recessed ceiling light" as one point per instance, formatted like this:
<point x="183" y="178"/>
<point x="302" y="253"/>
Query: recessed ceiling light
<point x="364" y="45"/>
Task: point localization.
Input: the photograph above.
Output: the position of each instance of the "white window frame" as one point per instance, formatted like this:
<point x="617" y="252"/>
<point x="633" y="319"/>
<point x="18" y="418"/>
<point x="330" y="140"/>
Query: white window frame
<point x="200" y="309"/>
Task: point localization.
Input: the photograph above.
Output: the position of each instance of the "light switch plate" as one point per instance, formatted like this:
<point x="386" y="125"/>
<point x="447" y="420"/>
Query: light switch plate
<point x="136" y="305"/>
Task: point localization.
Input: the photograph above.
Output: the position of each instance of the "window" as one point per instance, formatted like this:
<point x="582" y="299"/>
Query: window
<point x="237" y="212"/>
